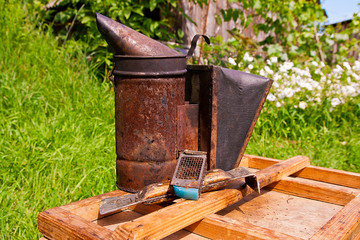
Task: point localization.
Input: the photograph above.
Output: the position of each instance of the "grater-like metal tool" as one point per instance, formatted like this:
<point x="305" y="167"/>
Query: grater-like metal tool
<point x="189" y="174"/>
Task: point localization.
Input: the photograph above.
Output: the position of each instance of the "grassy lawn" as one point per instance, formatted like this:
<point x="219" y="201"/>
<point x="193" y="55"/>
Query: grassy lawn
<point x="57" y="127"/>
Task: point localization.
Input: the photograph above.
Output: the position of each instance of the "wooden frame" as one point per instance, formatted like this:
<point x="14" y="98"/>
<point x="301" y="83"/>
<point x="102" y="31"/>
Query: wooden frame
<point x="81" y="220"/>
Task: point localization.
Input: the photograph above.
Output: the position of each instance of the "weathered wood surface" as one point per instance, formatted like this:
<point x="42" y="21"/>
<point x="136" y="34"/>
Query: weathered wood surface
<point x="57" y="223"/>
<point x="276" y="211"/>
<point x="339" y="177"/>
<point x="76" y="219"/>
<point x="168" y="220"/>
<point x="344" y="225"/>
<point x="315" y="190"/>
<point x="220" y="227"/>
<point x="89" y="208"/>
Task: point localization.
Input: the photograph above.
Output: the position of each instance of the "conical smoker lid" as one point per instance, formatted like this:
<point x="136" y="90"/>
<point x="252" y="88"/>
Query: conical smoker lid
<point x="126" y="41"/>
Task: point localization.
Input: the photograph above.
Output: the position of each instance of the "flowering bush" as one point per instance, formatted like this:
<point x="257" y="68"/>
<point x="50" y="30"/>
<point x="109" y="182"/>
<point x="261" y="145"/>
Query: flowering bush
<point x="307" y="84"/>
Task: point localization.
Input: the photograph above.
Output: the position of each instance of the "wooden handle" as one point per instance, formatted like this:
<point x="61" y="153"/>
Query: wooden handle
<point x="170" y="219"/>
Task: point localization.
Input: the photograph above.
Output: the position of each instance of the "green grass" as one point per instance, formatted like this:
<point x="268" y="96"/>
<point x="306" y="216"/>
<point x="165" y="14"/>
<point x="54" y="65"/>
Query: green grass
<point x="57" y="127"/>
<point x="330" y="139"/>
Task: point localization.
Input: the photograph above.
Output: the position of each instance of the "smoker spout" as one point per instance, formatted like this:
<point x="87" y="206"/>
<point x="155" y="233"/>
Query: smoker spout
<point x="126" y="41"/>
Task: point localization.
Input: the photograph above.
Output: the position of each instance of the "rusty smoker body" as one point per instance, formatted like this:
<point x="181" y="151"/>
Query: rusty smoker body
<point x="149" y="91"/>
<point x="163" y="106"/>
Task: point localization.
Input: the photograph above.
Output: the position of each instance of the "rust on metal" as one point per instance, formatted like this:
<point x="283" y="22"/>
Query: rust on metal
<point x="145" y="114"/>
<point x="149" y="84"/>
<point x="132" y="176"/>
<point x="190" y="170"/>
<point x="154" y="122"/>
<point x="187" y="134"/>
<point x="126" y="41"/>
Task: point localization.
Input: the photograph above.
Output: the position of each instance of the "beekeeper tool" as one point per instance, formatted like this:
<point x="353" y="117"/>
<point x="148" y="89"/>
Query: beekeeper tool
<point x="164" y="106"/>
<point x="189" y="174"/>
<point x="163" y="192"/>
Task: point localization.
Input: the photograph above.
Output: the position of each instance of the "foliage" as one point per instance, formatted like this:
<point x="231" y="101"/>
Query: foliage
<point x="74" y="20"/>
<point x="289" y="30"/>
<point x="297" y="53"/>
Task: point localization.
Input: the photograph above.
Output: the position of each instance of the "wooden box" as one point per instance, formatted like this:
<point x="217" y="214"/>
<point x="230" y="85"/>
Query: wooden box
<point x="312" y="203"/>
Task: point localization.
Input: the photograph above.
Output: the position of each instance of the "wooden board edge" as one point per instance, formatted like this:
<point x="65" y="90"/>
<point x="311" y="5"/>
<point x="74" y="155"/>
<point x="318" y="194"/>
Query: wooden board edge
<point x="220" y="227"/>
<point x="344" y="225"/>
<point x="315" y="190"/>
<point x="89" y="208"/>
<point x="57" y="223"/>
<point x="334" y="176"/>
<point x="215" y="226"/>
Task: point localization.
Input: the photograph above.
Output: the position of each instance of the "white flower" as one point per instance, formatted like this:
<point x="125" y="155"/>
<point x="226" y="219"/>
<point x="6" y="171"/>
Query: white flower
<point x="262" y="73"/>
<point x="302" y="105"/>
<point x="347" y="65"/>
<point x="271" y="97"/>
<point x="348" y="90"/>
<point x="286" y="66"/>
<point x="318" y="71"/>
<point x="335" y="102"/>
<point x="273" y="59"/>
<point x="232" y="61"/>
<point x="275" y="84"/>
<point x="250" y="66"/>
<point x="355" y="76"/>
<point x="288" y="92"/>
<point x="268" y="70"/>
<point x="338" y="70"/>
<point x="315" y="63"/>
<point x="356" y="66"/>
<point x="247" y="57"/>
<point x="276" y="77"/>
<point x="322" y="64"/>
<point x="278" y="104"/>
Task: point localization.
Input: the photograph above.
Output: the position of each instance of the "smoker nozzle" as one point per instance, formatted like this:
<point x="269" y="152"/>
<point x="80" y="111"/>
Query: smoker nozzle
<point x="123" y="40"/>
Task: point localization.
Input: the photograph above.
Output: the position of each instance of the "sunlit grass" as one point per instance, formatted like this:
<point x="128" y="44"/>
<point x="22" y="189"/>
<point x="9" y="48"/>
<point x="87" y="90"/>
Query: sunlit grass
<point x="57" y="127"/>
<point x="329" y="138"/>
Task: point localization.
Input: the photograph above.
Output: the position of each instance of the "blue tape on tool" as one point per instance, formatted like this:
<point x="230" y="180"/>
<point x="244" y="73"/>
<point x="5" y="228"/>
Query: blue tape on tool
<point x="187" y="193"/>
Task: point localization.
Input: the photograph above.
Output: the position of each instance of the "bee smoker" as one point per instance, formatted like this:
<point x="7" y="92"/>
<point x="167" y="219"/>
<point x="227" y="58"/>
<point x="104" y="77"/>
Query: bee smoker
<point x="163" y="107"/>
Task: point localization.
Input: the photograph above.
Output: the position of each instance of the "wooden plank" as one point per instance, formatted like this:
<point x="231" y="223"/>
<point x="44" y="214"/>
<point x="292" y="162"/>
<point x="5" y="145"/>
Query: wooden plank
<point x="339" y="177"/>
<point x="89" y="208"/>
<point x="315" y="190"/>
<point x="344" y="225"/>
<point x="295" y="216"/>
<point x="219" y="227"/>
<point x="177" y="216"/>
<point x="334" y="176"/>
<point x="57" y="223"/>
<point x="259" y="162"/>
<point x="282" y="169"/>
<point x="112" y="221"/>
<point x="215" y="226"/>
